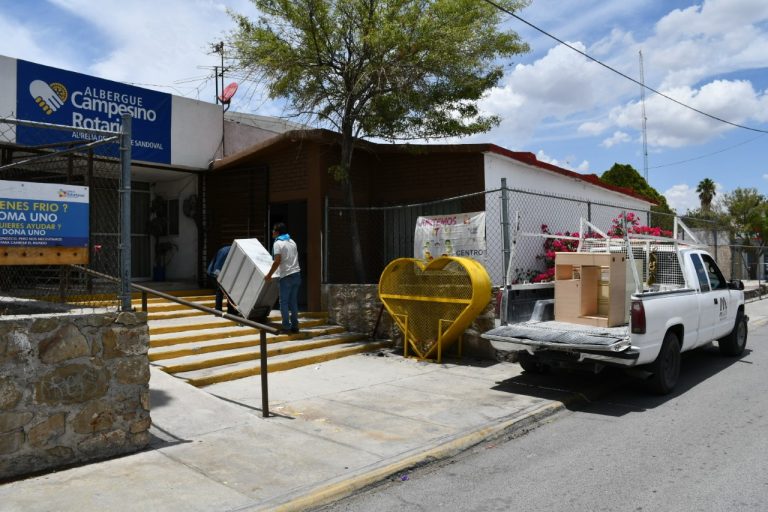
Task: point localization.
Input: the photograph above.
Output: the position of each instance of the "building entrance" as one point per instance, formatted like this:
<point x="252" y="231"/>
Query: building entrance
<point x="294" y="215"/>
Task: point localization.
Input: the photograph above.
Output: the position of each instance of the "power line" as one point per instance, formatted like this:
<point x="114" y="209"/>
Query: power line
<point x="707" y="155"/>
<point x="711" y="116"/>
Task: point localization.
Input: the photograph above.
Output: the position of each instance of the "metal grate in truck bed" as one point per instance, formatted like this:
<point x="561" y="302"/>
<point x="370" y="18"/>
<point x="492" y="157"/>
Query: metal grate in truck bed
<point x="561" y="332"/>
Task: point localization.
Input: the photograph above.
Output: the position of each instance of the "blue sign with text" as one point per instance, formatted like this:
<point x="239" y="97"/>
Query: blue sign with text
<point x="51" y="95"/>
<point x="43" y="214"/>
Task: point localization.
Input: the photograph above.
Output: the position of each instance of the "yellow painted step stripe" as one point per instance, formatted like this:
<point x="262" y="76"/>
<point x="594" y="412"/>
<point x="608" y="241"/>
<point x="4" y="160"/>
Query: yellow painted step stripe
<point x="252" y="342"/>
<point x="287" y="365"/>
<point x="207" y="336"/>
<point x="221" y="322"/>
<point x="254" y="355"/>
<point x="168" y="315"/>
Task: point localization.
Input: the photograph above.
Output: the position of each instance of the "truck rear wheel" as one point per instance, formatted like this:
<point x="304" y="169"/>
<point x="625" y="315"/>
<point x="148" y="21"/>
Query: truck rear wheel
<point x="666" y="367"/>
<point x="736" y="341"/>
<point x="531" y="364"/>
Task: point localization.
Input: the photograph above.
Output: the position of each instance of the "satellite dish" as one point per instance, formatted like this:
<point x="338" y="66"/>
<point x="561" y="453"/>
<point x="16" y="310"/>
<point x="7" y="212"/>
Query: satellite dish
<point x="229" y="91"/>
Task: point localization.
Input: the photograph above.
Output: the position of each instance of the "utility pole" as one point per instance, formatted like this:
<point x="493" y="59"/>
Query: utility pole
<point x="645" y="119"/>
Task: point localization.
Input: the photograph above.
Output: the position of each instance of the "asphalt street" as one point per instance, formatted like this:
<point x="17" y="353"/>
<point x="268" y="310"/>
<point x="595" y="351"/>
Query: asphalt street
<point x="701" y="448"/>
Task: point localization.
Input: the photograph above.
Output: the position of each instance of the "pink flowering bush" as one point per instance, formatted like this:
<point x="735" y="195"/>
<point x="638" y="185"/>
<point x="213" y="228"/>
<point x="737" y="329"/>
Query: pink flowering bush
<point x="554" y="245"/>
<point x="634" y="227"/>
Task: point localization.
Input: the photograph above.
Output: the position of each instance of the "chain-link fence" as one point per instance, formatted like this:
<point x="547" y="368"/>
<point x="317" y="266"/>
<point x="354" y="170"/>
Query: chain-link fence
<point x="41" y="153"/>
<point x="386" y="233"/>
<point x="520" y="227"/>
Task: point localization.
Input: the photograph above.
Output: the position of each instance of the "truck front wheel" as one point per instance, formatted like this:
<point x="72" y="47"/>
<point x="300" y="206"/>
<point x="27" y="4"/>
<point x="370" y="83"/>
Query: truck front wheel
<point x="666" y="367"/>
<point x="736" y="341"/>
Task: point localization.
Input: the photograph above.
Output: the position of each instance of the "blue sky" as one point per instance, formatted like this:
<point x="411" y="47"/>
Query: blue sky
<point x="712" y="55"/>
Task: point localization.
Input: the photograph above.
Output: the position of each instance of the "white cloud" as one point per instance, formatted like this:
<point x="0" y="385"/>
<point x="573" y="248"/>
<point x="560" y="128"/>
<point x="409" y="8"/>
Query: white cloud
<point x="593" y="127"/>
<point x="717" y="36"/>
<point x="617" y="138"/>
<point x="555" y="87"/>
<point x="671" y="125"/>
<point x="22" y="42"/>
<point x="682" y="198"/>
<point x="583" y="167"/>
<point x="684" y="54"/>
<point x="154" y="43"/>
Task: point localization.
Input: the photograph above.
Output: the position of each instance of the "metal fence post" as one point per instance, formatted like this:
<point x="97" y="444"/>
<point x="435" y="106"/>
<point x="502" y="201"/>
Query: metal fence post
<point x="125" y="214"/>
<point x="505" y="228"/>
<point x="264" y="371"/>
<point x="324" y="233"/>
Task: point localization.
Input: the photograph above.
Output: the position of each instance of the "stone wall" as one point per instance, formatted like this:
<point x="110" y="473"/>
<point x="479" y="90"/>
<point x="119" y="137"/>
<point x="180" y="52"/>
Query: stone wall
<point x="73" y="388"/>
<point x="356" y="307"/>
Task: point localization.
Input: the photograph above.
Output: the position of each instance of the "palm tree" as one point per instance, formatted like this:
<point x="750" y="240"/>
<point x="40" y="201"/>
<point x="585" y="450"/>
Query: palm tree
<point x="707" y="192"/>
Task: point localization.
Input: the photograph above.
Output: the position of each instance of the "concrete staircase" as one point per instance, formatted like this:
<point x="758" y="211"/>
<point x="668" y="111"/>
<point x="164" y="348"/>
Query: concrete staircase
<point x="203" y="349"/>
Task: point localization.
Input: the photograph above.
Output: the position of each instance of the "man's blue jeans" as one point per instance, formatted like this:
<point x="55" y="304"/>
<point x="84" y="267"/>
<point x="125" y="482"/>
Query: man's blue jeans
<point x="289" y="300"/>
<point x="220" y="302"/>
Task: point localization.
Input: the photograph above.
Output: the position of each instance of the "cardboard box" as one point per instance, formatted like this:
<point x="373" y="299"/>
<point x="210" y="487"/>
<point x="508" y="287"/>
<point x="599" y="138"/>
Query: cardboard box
<point x="590" y="288"/>
<point x="242" y="278"/>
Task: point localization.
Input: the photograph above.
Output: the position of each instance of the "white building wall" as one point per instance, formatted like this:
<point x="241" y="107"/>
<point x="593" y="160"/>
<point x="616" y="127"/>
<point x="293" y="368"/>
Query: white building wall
<point x="535" y="210"/>
<point x="196" y="132"/>
<point x="7" y="93"/>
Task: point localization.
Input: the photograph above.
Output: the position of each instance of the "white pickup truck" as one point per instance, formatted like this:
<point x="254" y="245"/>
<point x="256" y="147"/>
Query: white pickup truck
<point x="689" y="304"/>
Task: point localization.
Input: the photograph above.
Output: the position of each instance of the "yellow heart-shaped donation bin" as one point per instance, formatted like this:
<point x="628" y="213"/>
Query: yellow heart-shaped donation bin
<point x="434" y="303"/>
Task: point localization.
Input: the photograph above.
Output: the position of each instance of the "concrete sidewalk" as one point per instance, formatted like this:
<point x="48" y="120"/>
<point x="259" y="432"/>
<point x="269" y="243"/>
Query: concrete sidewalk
<point x="335" y="427"/>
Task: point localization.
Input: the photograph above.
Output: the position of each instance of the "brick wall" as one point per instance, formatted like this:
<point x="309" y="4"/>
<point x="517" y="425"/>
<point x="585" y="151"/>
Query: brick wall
<point x="417" y="178"/>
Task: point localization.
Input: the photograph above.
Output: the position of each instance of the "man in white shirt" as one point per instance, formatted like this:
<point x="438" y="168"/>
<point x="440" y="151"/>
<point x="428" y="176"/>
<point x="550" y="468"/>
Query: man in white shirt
<point x="286" y="263"/>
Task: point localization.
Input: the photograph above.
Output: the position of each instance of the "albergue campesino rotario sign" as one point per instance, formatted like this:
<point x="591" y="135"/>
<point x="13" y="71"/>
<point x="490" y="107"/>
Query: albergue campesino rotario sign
<point x="56" y="96"/>
<point x="43" y="215"/>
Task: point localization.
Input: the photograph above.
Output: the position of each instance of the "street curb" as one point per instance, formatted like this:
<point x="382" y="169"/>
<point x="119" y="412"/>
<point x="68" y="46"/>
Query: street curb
<point x="339" y="488"/>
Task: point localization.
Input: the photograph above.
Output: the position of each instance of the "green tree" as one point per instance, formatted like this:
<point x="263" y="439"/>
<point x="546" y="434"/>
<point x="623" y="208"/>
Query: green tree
<point x="707" y="192"/>
<point x="391" y="69"/>
<point x="747" y="211"/>
<point x="748" y="214"/>
<point x="624" y="175"/>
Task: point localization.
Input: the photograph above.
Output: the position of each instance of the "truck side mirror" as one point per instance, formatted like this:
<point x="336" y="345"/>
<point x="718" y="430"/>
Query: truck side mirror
<point x="736" y="284"/>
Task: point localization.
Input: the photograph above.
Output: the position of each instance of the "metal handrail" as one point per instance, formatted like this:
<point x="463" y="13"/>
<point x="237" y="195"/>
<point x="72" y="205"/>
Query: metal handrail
<point x="263" y="328"/>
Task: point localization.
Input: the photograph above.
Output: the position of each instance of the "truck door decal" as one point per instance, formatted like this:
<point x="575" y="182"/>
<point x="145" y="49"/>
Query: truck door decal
<point x="723" y="308"/>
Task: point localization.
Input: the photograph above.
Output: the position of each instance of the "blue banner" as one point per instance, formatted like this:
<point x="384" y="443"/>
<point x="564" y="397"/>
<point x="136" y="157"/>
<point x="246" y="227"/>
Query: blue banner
<point x="56" y="96"/>
<point x="43" y="214"/>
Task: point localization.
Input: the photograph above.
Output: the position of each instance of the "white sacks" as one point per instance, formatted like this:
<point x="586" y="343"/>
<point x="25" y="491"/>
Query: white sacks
<point x="242" y="278"/>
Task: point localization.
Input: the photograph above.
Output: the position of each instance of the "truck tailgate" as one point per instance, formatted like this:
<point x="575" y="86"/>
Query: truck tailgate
<point x="561" y="335"/>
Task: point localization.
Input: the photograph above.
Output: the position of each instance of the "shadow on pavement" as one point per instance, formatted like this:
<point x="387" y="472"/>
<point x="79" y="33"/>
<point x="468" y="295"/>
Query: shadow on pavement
<point x="614" y="393"/>
<point x="158" y="398"/>
<point x="251" y="407"/>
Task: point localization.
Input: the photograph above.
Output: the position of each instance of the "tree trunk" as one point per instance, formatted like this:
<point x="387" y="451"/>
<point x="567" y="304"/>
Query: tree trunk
<point x="347" y="147"/>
